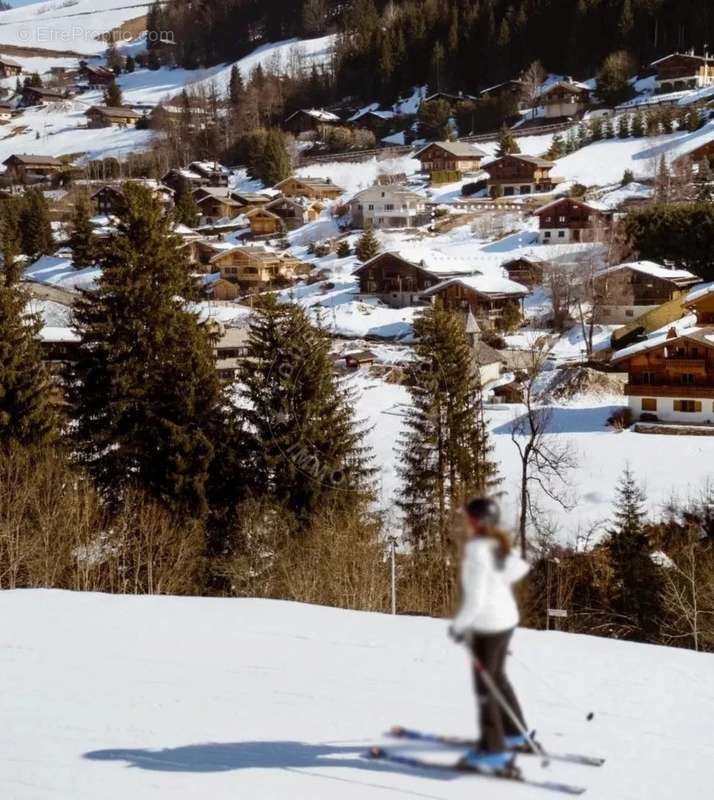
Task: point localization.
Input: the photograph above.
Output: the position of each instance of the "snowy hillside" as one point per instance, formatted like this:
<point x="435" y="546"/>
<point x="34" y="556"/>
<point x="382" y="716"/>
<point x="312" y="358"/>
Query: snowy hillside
<point x="131" y="697"/>
<point x="71" y="25"/>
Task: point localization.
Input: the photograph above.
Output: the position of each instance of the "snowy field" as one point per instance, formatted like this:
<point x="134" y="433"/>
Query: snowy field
<point x="132" y="697"/>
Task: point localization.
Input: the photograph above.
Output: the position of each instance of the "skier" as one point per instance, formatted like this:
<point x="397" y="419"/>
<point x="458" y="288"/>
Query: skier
<point x="486" y="621"/>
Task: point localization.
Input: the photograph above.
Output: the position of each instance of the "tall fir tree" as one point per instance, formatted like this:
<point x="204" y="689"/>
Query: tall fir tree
<point x="27" y="415"/>
<point x="145" y="396"/>
<point x="236" y="89"/>
<point x="82" y="240"/>
<point x="311" y="451"/>
<point x="186" y="208"/>
<point x="275" y="162"/>
<point x="35" y="225"/>
<point x="507" y="143"/>
<point x="445" y="455"/>
<point x="637" y="580"/>
<point x="113" y="96"/>
<point x="367" y="245"/>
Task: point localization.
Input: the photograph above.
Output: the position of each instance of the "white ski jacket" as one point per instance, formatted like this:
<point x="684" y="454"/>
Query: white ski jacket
<point x="489" y="605"/>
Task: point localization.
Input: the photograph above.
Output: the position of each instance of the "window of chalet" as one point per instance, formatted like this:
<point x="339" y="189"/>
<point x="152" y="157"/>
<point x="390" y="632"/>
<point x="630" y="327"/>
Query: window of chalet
<point x="649" y="404"/>
<point x="687" y="406"/>
<point x="687" y="379"/>
<point x="649" y="378"/>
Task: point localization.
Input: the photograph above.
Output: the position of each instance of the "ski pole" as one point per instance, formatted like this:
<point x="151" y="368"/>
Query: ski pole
<point x="505" y="705"/>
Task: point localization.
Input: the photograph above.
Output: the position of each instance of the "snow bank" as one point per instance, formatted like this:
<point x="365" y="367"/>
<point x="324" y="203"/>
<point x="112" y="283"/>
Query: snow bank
<point x="141" y="697"/>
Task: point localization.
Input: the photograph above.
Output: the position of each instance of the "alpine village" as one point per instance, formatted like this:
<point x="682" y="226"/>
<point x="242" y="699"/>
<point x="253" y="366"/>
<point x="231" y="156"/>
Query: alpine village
<point x="284" y="284"/>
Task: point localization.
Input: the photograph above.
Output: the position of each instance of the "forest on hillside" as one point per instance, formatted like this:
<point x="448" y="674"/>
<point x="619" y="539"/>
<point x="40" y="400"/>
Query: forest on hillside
<point x="385" y="47"/>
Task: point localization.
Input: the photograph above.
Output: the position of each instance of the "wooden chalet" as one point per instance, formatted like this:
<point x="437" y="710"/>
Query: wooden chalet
<point x="564" y="99"/>
<point x="310" y="120"/>
<point x="671" y="375"/>
<point x="485" y="296"/>
<point x="678" y="72"/>
<point x="359" y="358"/>
<point x="527" y="270"/>
<point x="22" y="168"/>
<point x="213" y="173"/>
<point x="111" y="117"/>
<point x="627" y="291"/>
<point x="9" y="68"/>
<point x="264" y="222"/>
<point x="96" y="76"/>
<point x="450" y="159"/>
<point x="217" y="203"/>
<point x="518" y="174"/>
<point x="312" y="188"/>
<point x="394" y="280"/>
<point x="174" y="177"/>
<point x="257" y="268"/>
<point x="106" y="200"/>
<point x="251" y="200"/>
<point x="293" y="213"/>
<point x="512" y="88"/>
<point x="37" y="96"/>
<point x="569" y="220"/>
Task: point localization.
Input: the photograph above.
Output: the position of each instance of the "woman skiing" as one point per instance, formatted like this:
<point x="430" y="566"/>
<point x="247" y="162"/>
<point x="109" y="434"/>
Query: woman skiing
<point x="486" y="621"/>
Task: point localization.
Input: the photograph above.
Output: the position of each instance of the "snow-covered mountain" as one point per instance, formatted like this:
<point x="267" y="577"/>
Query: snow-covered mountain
<point x="134" y="697"/>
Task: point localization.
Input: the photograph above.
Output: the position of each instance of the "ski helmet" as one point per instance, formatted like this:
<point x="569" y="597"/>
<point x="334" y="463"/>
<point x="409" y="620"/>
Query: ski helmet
<point x="485" y="510"/>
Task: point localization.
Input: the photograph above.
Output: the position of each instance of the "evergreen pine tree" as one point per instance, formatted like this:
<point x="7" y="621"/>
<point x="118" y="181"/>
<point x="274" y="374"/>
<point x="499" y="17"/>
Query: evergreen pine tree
<point x="37" y="239"/>
<point x="623" y="126"/>
<point x="694" y="120"/>
<point x="186" y="209"/>
<point x="608" y="131"/>
<point x="115" y="62"/>
<point x="275" y="162"/>
<point x="444" y="450"/>
<point x="310" y="450"/>
<point x="113" y="95"/>
<point x="703" y="182"/>
<point x="557" y="148"/>
<point x="236" y="90"/>
<point x="637" y="582"/>
<point x="27" y="417"/>
<point x="130" y="64"/>
<point x="596" y="129"/>
<point x="637" y="128"/>
<point x="343" y="249"/>
<point x="367" y="245"/>
<point x="507" y="143"/>
<point x="82" y="241"/>
<point x="146" y="399"/>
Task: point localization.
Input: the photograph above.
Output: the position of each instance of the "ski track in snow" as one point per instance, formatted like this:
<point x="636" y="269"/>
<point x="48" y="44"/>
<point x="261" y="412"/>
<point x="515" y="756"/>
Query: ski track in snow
<point x="114" y="697"/>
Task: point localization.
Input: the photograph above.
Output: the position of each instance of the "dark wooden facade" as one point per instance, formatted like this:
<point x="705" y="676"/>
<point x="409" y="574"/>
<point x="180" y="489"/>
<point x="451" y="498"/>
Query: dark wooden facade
<point x="395" y="280"/>
<point x="680" y="71"/>
<point x="523" y="270"/>
<point x="449" y="157"/>
<point x="456" y="296"/>
<point x="630" y="287"/>
<point x="572" y="214"/>
<point x="524" y="174"/>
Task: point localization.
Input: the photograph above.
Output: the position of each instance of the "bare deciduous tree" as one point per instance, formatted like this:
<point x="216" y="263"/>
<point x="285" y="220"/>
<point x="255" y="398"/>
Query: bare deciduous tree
<point x="531" y="82"/>
<point x="544" y="462"/>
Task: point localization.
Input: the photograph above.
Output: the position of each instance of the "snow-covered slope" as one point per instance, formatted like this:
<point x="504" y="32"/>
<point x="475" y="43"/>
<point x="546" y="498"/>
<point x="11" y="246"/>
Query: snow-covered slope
<point x="72" y="25"/>
<point x="133" y="697"/>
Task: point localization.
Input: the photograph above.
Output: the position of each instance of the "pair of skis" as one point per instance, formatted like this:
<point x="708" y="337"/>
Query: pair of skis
<point x="459" y="766"/>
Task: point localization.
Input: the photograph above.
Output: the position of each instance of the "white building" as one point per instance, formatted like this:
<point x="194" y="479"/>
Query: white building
<point x="388" y="207"/>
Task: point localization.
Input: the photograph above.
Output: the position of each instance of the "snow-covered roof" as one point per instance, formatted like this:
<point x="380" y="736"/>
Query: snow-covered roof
<point x="483" y="284"/>
<point x="573" y="86"/>
<point x="458" y="149"/>
<point x="701" y="291"/>
<point x="593" y="204"/>
<point x="678" y="276"/>
<point x="318" y="114"/>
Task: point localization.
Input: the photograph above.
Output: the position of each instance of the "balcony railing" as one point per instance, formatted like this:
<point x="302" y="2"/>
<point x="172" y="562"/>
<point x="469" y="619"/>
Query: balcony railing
<point x="669" y="390"/>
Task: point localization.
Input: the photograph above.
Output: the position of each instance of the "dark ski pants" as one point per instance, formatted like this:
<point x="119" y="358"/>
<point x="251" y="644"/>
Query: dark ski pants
<point x="491" y="651"/>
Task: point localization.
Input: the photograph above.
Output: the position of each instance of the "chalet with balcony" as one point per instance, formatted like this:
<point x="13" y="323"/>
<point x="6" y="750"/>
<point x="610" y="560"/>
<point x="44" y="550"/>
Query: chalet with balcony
<point x="293" y="213"/>
<point x="565" y="98"/>
<point x="394" y="280"/>
<point x="21" y="168"/>
<point x="569" y="220"/>
<point x="679" y="72"/>
<point x="311" y="188"/>
<point x="254" y="267"/>
<point x="388" y="207"/>
<point x="527" y="270"/>
<point x="111" y="117"/>
<point x="485" y="296"/>
<point x="211" y="172"/>
<point x="264" y="222"/>
<point x="450" y="159"/>
<point x="671" y="374"/>
<point x="107" y="199"/>
<point x="518" y="174"/>
<point x="627" y="291"/>
<point x="9" y="68"/>
<point x="216" y="203"/>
